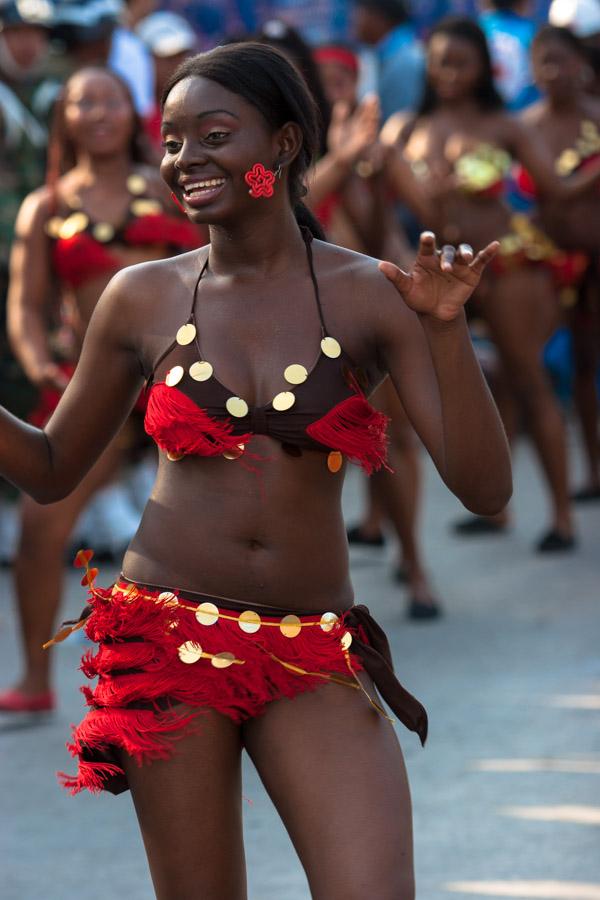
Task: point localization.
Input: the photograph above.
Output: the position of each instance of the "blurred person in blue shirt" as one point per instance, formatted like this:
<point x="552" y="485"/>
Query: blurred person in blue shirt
<point x="509" y="32"/>
<point x="385" y="25"/>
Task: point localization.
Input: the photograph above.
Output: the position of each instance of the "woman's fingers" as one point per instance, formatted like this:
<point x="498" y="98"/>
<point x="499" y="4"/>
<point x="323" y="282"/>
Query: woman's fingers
<point x="484" y="257"/>
<point x="426" y="243"/>
<point x="399" y="279"/>
<point x="464" y="255"/>
<point x="447" y="256"/>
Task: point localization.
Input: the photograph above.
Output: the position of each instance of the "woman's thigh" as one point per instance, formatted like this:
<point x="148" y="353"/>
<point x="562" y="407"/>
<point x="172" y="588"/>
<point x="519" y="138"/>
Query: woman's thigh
<point x="522" y="311"/>
<point x="189" y="811"/>
<point x="334" y="769"/>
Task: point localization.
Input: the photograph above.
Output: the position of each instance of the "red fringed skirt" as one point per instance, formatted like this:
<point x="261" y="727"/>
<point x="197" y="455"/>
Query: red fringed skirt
<point x="166" y="656"/>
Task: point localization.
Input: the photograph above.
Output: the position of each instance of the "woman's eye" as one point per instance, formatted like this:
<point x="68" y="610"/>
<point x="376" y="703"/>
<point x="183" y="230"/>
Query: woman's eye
<point x="170" y="146"/>
<point x="214" y="137"/>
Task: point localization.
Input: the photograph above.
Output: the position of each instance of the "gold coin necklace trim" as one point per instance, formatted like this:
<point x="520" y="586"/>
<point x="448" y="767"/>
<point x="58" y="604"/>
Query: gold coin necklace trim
<point x="295" y="374"/>
<point x="201" y="370"/>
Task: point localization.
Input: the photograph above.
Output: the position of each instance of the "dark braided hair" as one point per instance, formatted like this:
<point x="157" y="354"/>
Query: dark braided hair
<point x="274" y="86"/>
<point x="486" y="92"/>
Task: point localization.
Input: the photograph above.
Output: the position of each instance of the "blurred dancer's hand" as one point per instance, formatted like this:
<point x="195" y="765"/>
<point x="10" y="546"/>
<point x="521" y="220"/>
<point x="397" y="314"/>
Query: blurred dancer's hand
<point x="351" y="133"/>
<point x="441" y="281"/>
<point x="49" y="375"/>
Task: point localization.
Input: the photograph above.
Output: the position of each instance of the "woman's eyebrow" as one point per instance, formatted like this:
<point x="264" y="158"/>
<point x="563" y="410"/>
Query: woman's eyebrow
<point x="212" y="112"/>
<point x="209" y="112"/>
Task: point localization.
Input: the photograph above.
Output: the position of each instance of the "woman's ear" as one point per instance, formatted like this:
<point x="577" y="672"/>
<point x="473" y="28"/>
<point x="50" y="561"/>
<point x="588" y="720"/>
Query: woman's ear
<point x="289" y="143"/>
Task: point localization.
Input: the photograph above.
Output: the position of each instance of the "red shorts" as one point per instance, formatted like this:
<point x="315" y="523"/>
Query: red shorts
<point x="166" y="656"/>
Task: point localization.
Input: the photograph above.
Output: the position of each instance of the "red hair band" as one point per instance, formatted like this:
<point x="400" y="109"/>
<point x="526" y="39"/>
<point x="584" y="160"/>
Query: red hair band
<point x="340" y="55"/>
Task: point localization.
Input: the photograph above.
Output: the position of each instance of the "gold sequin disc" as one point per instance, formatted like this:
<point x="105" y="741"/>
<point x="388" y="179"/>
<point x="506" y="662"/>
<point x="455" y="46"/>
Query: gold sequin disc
<point x="237" y="407"/>
<point x="223" y="660"/>
<point x="335" y="461"/>
<point x="186" y="334"/>
<point x="167" y="597"/>
<point x="295" y="374"/>
<point x="174" y="376"/>
<point x="331" y="347"/>
<point x="136" y="184"/>
<point x="190" y="652"/>
<point x="53" y="226"/>
<point x="174" y="457"/>
<point x="346" y="641"/>
<point x="328" y="621"/>
<point x="207" y="613"/>
<point x="73" y="225"/>
<point x="249" y="621"/>
<point x="146" y="207"/>
<point x="290" y="626"/>
<point x="235" y="452"/>
<point x="103" y="232"/>
<point x="201" y="370"/>
<point x="284" y="400"/>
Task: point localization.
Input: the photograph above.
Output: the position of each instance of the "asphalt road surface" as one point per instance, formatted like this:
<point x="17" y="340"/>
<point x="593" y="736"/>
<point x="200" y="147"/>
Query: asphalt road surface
<point x="507" y="792"/>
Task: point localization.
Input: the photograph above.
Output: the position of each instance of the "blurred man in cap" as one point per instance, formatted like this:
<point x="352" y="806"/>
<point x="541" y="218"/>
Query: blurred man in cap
<point x="99" y="32"/>
<point x="385" y="25"/>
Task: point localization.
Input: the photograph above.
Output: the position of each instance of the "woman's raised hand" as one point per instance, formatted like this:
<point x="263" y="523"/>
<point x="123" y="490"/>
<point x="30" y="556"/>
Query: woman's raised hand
<point x="441" y="281"/>
<point x="351" y="133"/>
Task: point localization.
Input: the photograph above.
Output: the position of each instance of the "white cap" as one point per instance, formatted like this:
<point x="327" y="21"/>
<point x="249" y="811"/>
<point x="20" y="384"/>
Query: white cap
<point x="581" y="16"/>
<point x="166" y="34"/>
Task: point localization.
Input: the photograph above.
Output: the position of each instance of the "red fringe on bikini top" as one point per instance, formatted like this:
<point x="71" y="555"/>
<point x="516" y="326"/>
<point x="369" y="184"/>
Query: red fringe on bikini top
<point x="179" y="426"/>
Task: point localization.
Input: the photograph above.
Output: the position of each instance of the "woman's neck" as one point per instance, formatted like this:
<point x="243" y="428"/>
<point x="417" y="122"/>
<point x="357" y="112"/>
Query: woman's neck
<point x="262" y="246"/>
<point x="566" y="104"/>
<point x="461" y="108"/>
<point x="108" y="169"/>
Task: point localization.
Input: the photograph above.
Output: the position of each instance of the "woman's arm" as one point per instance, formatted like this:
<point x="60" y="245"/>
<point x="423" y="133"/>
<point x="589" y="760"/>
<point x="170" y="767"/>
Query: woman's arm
<point x="424" y="344"/>
<point x="29" y="291"/>
<point x="534" y="155"/>
<point x="49" y="463"/>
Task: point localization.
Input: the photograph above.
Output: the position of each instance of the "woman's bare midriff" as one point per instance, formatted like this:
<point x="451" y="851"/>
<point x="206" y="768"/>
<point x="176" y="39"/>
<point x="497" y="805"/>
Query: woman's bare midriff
<point x="274" y="536"/>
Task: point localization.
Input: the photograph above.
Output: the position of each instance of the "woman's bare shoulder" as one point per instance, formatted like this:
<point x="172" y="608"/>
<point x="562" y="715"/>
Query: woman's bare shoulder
<point x="154" y="277"/>
<point x="354" y="272"/>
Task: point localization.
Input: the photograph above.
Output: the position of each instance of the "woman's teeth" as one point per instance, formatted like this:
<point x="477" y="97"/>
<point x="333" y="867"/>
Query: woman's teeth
<point x="199" y="188"/>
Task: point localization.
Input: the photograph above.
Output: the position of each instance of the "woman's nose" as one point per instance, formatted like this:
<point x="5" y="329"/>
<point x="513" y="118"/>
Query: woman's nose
<point x="190" y="155"/>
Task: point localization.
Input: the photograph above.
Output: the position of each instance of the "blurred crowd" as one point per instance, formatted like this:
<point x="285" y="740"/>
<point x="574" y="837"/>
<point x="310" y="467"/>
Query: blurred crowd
<point x="480" y="121"/>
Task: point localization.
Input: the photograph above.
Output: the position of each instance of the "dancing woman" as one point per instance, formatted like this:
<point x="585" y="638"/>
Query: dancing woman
<point x="235" y="594"/>
<point x="102" y="209"/>
<point x="463" y="134"/>
<point x="568" y="120"/>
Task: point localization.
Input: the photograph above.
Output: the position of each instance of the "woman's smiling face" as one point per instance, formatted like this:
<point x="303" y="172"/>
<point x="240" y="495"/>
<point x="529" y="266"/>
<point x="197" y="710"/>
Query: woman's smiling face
<point x="211" y="138"/>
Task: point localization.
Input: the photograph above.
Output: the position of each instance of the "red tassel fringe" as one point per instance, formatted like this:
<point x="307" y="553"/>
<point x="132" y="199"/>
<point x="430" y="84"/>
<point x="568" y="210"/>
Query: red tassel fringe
<point x="138" y="661"/>
<point x="355" y="429"/>
<point x="178" y="425"/>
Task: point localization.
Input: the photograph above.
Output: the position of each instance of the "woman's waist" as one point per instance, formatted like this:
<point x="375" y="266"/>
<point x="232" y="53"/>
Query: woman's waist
<point x="476" y="220"/>
<point x="303" y="571"/>
<point x="164" y="593"/>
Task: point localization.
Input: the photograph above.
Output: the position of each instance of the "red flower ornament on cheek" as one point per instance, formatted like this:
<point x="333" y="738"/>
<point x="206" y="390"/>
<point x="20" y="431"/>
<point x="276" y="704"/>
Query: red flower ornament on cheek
<point x="261" y="181"/>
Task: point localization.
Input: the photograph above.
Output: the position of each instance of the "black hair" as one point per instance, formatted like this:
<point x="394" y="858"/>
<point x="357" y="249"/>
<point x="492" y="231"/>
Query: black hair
<point x="290" y="42"/>
<point x="486" y="93"/>
<point x="505" y="5"/>
<point x="62" y="155"/>
<point x="564" y="36"/>
<point x="267" y="80"/>
<point x="397" y="12"/>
